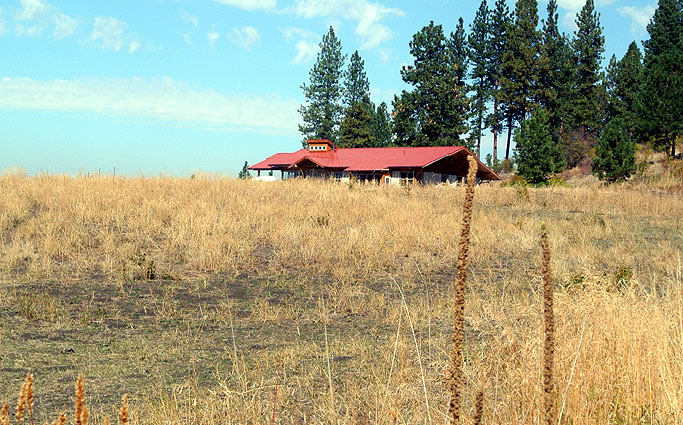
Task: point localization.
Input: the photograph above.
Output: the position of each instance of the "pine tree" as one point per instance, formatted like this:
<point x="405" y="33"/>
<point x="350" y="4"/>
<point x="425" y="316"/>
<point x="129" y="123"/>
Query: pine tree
<point x="356" y="131"/>
<point x="555" y="76"/>
<point x="434" y="112"/>
<point x="520" y="72"/>
<point x="381" y="126"/>
<point x="624" y="81"/>
<point x="537" y="156"/>
<point x="661" y="99"/>
<point x="356" y="127"/>
<point x="458" y="54"/>
<point x="566" y="86"/>
<point x="499" y="28"/>
<point x="244" y="173"/>
<point x="323" y="110"/>
<point x="588" y="44"/>
<point x="356" y="83"/>
<point x="664" y="30"/>
<point x="615" y="153"/>
<point x="404" y="122"/>
<point x="479" y="50"/>
<point x="610" y="87"/>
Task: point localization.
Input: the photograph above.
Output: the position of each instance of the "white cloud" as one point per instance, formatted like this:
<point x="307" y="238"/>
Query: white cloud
<point x="569" y="20"/>
<point x="133" y="46"/>
<point x="367" y="15"/>
<point x="64" y="26"/>
<point x="33" y="17"/>
<point x="156" y="99"/>
<point x="32" y="9"/>
<point x="36" y="15"/>
<point x="575" y="5"/>
<point x="640" y="16"/>
<point x="291" y="33"/>
<point x="213" y="36"/>
<point x="108" y="31"/>
<point x="306" y="43"/>
<point x="245" y="37"/>
<point x="250" y="4"/>
<point x="30" y="30"/>
<point x="188" y="17"/>
<point x="305" y="51"/>
<point x="379" y="95"/>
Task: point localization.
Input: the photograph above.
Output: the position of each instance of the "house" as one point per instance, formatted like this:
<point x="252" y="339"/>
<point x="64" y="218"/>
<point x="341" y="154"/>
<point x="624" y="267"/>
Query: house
<point x="396" y="165"/>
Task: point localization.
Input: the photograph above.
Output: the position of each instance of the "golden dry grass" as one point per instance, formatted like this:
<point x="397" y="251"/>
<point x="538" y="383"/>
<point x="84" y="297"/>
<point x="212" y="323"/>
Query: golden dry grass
<point x="618" y="299"/>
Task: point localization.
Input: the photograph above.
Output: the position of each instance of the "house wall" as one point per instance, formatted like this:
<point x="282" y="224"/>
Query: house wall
<point x="395" y="177"/>
<point x="429" y="177"/>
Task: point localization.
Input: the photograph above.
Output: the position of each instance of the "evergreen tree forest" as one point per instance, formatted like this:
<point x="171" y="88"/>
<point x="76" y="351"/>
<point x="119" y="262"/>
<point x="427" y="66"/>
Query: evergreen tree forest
<point x="505" y="68"/>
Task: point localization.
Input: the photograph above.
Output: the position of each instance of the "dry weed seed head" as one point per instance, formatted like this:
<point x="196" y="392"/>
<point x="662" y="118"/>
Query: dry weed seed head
<point x="84" y="415"/>
<point x="479" y="407"/>
<point x="456" y="377"/>
<point x="21" y="402"/>
<point x="549" y="330"/>
<point x="29" y="396"/>
<point x="123" y="412"/>
<point x="4" y="415"/>
<point x="62" y="419"/>
<point x="80" y="403"/>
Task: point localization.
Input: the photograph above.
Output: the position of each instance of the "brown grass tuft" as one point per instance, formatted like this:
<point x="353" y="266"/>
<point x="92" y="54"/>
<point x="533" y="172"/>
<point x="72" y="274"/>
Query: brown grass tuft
<point x="457" y="379"/>
<point x="549" y="331"/>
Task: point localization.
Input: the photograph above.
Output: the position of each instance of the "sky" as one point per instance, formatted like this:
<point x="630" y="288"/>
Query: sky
<point x="172" y="87"/>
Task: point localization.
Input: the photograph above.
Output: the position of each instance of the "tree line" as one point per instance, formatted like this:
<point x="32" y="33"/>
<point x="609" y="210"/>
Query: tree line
<point x="523" y="79"/>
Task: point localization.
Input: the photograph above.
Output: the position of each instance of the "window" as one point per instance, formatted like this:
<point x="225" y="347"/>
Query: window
<point x="387" y="179"/>
<point x="338" y="176"/>
<point x="407" y="177"/>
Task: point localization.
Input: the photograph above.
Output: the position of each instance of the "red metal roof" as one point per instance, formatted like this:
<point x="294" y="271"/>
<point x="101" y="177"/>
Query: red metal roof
<point x="366" y="159"/>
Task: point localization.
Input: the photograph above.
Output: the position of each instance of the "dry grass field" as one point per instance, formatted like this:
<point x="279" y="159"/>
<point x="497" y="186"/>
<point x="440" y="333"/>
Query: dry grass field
<point x="210" y="300"/>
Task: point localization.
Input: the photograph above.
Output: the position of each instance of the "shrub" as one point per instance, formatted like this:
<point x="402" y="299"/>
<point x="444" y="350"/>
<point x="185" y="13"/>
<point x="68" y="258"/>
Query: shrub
<point x="576" y="145"/>
<point x="557" y="182"/>
<point x="538" y="156"/>
<point x="615" y="154"/>
<point x="506" y="166"/>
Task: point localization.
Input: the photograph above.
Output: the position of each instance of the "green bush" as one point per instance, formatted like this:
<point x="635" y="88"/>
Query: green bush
<point x="538" y="156"/>
<point x="615" y="154"/>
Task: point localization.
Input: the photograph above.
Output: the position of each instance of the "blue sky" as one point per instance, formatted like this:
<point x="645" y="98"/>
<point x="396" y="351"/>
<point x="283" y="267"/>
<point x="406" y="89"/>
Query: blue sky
<point x="174" y="86"/>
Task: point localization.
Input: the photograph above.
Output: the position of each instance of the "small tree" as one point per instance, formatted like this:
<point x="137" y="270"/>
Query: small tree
<point x="244" y="174"/>
<point x="538" y="157"/>
<point x="615" y="153"/>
